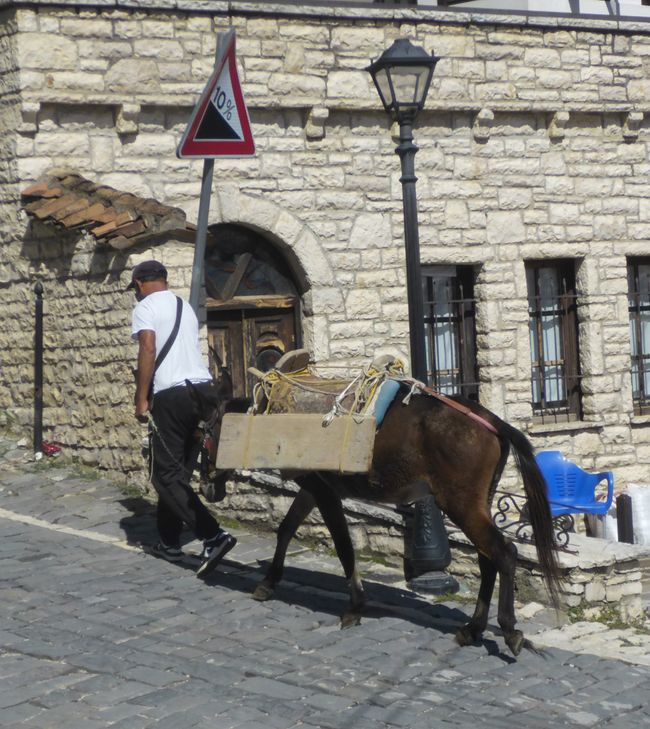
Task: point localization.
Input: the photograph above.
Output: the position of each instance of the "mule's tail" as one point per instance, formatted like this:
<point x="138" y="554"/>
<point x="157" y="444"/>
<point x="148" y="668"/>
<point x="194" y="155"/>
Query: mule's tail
<point x="538" y="509"/>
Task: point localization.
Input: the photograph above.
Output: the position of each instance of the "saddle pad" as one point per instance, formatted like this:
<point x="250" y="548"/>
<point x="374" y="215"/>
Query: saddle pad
<point x="387" y="392"/>
<point x="295" y="441"/>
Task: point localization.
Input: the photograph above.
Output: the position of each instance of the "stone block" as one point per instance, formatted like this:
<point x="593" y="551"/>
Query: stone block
<point x="127" y="29"/>
<point x="161" y="49"/>
<point x="86" y="27"/>
<point x="542" y="57"/>
<point x="349" y="84"/>
<point x="362" y="304"/>
<point x="47" y="52"/>
<point x="595" y="591"/>
<point x="638" y="90"/>
<point x="129" y="74"/>
<point x="505" y="227"/>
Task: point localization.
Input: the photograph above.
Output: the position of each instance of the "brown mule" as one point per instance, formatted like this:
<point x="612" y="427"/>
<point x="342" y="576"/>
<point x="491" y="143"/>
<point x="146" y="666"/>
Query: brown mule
<point x="428" y="447"/>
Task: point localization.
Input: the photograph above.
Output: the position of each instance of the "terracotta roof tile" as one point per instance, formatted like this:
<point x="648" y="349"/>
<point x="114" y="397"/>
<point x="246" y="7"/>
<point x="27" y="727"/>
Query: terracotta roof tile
<point x="67" y="200"/>
<point x="111" y="225"/>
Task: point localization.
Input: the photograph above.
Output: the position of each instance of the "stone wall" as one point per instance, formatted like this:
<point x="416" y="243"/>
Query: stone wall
<point x="534" y="144"/>
<point x="88" y="354"/>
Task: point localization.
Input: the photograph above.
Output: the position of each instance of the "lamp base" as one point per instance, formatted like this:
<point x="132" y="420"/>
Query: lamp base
<point x="433" y="583"/>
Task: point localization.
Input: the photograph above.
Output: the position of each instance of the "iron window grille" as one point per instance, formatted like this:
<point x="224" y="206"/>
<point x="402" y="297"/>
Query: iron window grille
<point x="450" y="329"/>
<point x="638" y="286"/>
<point x="553" y="331"/>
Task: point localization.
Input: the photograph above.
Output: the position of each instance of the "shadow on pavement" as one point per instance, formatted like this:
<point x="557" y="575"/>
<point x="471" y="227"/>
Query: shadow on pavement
<point x="310" y="588"/>
<point x="140" y="530"/>
<point x="323" y="592"/>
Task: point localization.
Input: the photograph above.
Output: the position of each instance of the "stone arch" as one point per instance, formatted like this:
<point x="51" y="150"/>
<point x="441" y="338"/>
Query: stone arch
<point x="297" y="242"/>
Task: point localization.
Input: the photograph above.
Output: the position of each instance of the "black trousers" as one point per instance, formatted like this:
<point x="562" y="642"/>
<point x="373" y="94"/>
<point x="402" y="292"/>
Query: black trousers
<point x="175" y="450"/>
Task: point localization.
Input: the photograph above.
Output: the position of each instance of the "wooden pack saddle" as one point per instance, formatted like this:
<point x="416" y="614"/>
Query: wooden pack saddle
<point x="301" y="420"/>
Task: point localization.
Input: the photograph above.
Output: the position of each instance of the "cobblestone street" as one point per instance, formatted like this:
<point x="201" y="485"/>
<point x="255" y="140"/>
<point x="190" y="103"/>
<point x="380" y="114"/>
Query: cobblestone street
<point x="95" y="633"/>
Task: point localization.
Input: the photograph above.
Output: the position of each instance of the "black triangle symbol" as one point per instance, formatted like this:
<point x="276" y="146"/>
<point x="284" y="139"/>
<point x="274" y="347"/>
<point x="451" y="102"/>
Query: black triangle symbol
<point x="213" y="127"/>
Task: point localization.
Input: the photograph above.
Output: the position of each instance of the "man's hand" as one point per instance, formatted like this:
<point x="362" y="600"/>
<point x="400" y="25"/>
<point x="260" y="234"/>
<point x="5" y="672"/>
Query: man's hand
<point x="141" y="409"/>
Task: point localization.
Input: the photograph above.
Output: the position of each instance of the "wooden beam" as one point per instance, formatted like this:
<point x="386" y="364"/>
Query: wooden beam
<point x="264" y="301"/>
<point x="232" y="284"/>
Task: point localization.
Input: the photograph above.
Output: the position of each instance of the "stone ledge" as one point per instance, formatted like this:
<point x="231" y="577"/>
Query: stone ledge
<point x="599" y="575"/>
<point x="574" y="425"/>
<point x="182" y="99"/>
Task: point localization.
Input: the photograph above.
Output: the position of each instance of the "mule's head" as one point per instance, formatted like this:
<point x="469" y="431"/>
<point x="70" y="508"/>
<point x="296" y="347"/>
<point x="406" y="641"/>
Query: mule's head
<point x="213" y="400"/>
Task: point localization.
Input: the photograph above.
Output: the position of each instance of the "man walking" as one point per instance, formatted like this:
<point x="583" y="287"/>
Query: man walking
<point x="167" y="332"/>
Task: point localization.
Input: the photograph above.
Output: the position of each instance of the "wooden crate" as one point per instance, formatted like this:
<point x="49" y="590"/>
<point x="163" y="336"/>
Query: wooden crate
<point x="296" y="441"/>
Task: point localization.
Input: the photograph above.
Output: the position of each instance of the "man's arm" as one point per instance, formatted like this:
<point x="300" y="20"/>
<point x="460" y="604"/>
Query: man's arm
<point x="146" y="364"/>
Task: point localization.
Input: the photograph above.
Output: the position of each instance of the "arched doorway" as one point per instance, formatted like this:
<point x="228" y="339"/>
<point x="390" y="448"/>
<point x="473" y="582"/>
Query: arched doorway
<point x="252" y="303"/>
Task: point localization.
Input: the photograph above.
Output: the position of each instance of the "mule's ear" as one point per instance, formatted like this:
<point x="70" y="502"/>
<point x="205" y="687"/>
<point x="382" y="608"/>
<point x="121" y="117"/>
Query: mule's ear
<point x="224" y="383"/>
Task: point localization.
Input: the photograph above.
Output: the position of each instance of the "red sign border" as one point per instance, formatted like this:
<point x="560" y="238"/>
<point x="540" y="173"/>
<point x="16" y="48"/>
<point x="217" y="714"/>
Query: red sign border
<point x="191" y="148"/>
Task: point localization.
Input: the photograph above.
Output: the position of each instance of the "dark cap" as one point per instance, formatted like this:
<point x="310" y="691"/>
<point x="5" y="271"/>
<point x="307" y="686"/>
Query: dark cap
<point x="147" y="271"/>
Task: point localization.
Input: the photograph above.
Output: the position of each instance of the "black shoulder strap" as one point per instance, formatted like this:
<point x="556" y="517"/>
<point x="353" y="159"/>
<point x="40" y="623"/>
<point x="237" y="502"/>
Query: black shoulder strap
<point x="170" y="340"/>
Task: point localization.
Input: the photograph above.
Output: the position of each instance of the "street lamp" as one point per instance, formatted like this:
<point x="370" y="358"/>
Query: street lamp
<point x="402" y="75"/>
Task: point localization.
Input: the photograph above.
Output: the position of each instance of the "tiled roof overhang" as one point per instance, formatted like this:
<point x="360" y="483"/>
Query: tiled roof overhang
<point x="68" y="201"/>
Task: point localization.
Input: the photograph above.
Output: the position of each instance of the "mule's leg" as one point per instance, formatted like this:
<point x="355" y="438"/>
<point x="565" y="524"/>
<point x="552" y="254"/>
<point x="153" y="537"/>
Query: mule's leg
<point x="472" y="631"/>
<point x="507" y="566"/>
<point x="298" y="512"/>
<point x="493" y="546"/>
<point x="331" y="509"/>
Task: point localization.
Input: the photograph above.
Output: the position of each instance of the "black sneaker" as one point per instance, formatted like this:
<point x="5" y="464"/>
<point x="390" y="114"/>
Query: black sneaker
<point x="171" y="554"/>
<point x="214" y="550"/>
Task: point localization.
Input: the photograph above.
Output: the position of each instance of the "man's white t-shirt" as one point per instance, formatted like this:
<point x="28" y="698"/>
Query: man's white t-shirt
<point x="157" y="313"/>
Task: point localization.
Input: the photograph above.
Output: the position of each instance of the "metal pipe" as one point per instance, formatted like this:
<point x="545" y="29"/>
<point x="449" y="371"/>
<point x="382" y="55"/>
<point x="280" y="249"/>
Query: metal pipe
<point x="625" y="518"/>
<point x="38" y="368"/>
<point x="201" y="234"/>
<point x="406" y="151"/>
<point x="430" y="546"/>
<point x="204" y="206"/>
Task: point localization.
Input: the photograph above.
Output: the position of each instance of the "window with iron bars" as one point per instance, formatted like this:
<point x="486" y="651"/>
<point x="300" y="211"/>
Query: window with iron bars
<point x="450" y="329"/>
<point x="553" y="329"/>
<point x="638" y="287"/>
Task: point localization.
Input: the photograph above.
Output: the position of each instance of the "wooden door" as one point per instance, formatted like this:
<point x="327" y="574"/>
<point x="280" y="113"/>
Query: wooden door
<point x="244" y="338"/>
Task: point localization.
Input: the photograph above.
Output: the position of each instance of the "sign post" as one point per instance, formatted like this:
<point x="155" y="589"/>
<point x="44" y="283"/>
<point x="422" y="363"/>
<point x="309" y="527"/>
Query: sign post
<point x="219" y="127"/>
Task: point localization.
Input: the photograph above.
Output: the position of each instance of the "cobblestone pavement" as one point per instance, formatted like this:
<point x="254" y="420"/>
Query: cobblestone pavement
<point x="95" y="633"/>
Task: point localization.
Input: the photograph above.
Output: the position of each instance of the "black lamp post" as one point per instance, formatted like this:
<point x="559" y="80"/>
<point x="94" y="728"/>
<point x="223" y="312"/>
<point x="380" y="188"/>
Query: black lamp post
<point x="402" y="75"/>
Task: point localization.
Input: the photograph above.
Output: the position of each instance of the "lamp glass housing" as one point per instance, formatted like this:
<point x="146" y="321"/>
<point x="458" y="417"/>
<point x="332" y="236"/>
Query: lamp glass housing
<point x="402" y="76"/>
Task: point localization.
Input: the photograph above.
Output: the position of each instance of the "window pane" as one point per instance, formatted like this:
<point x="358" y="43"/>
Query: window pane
<point x="408" y="82"/>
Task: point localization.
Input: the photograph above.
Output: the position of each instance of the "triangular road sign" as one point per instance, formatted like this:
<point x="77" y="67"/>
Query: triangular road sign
<point x="219" y="126"/>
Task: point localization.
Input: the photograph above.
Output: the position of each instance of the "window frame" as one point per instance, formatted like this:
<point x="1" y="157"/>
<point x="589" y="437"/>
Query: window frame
<point x="463" y="322"/>
<point x="569" y="408"/>
<point x="641" y="404"/>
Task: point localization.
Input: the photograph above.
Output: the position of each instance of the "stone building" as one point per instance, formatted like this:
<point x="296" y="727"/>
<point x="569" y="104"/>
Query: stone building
<point x="533" y="189"/>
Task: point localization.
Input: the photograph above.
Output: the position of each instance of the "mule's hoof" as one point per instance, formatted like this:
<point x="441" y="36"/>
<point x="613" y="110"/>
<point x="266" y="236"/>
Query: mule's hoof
<point x="515" y="641"/>
<point x="466" y="636"/>
<point x="262" y="592"/>
<point x="348" y="620"/>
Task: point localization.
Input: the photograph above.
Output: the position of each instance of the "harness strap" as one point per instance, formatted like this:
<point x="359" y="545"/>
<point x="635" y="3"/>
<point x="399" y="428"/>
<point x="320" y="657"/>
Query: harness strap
<point x="461" y="408"/>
